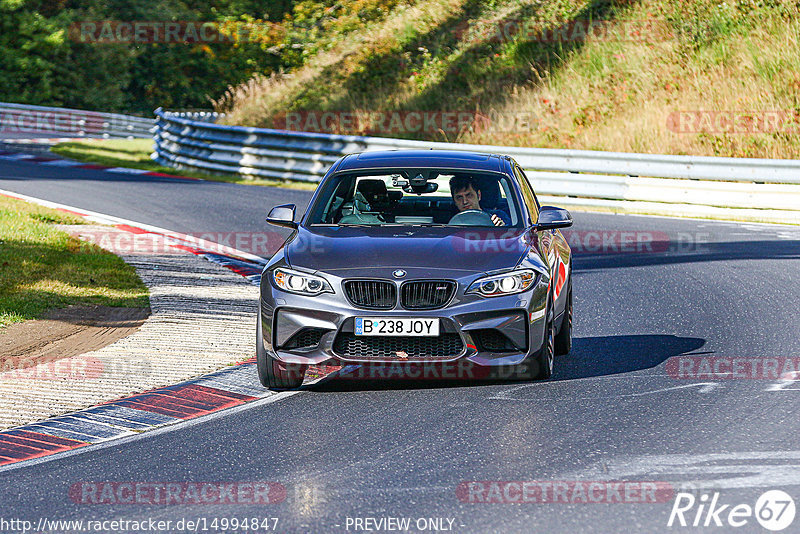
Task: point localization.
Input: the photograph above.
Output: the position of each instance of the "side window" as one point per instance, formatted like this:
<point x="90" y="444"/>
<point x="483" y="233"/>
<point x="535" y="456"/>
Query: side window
<point x="533" y="192"/>
<point x="527" y="192"/>
<point x="510" y="201"/>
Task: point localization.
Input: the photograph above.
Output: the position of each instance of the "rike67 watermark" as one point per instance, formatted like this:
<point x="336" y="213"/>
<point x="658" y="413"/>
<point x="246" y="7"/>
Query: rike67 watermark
<point x="774" y="510"/>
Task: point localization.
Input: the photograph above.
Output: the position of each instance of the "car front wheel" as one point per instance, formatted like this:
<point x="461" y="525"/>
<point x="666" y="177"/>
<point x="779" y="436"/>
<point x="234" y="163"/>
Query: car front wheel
<point x="564" y="338"/>
<point x="540" y="366"/>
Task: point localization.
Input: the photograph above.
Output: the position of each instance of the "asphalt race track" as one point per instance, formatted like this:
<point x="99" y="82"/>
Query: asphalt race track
<point x="658" y="303"/>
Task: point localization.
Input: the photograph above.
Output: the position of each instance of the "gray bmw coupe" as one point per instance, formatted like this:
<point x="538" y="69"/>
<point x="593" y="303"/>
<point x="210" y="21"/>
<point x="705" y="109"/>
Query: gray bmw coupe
<point x="417" y="257"/>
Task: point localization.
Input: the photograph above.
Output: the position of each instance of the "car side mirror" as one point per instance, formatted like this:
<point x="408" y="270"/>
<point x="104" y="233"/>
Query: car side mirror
<point x="282" y="216"/>
<point x="551" y="218"/>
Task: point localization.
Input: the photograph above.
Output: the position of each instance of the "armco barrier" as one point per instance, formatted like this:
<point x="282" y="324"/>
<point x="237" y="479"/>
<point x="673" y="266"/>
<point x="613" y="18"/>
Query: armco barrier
<point x="22" y="118"/>
<point x="738" y="188"/>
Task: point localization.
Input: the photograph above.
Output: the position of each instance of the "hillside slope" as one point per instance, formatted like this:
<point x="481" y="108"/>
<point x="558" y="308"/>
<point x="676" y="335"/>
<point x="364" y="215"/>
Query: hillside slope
<point x="681" y="77"/>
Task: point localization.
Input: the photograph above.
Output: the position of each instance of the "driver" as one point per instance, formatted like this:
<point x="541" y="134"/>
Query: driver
<point x="467" y="196"/>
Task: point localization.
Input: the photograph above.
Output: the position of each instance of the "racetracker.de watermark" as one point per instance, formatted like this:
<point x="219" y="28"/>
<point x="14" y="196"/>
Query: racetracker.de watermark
<point x="734" y="122"/>
<point x="615" y="242"/>
<point x="574" y="31"/>
<point x="635" y="241"/>
<point x="587" y="241"/>
<point x="564" y="492"/>
<point x="399" y="122"/>
<point x="170" y="31"/>
<point x="733" y="368"/>
<point x="80" y="368"/>
<point x="137" y="241"/>
<point x="63" y="122"/>
<point x="489" y="240"/>
<point x="454" y="370"/>
<point x="163" y="493"/>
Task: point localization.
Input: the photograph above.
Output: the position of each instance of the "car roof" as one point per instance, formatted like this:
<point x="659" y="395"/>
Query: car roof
<point x="449" y="159"/>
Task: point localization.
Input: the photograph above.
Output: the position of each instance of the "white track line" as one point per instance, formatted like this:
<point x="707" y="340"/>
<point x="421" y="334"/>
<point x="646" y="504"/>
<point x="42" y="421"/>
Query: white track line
<point x="168" y="427"/>
<point x="178" y="425"/>
<point x="102" y="218"/>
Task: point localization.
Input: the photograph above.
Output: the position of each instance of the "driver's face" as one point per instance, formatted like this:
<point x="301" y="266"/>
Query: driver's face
<point x="467" y="199"/>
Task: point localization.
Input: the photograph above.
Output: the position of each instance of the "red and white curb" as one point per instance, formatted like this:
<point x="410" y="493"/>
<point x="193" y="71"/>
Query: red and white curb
<point x="130" y="416"/>
<point x="40" y="140"/>
<point x="59" y="162"/>
<point x="175" y="342"/>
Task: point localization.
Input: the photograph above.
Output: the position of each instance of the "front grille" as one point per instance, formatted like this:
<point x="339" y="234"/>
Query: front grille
<point x="371" y="294"/>
<point x="426" y="294"/>
<point x="305" y="338"/>
<point x="491" y="340"/>
<point x="443" y="347"/>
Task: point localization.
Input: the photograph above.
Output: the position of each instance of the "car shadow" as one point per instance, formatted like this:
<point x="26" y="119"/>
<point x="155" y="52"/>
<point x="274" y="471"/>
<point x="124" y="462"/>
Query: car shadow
<point x="590" y="357"/>
<point x="610" y="355"/>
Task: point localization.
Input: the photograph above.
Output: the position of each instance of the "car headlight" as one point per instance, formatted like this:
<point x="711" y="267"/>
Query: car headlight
<point x="300" y="283"/>
<point x="503" y="284"/>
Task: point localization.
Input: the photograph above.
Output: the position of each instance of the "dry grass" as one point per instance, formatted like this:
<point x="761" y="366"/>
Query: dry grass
<point x="262" y="98"/>
<point x="626" y="106"/>
<point x="732" y="56"/>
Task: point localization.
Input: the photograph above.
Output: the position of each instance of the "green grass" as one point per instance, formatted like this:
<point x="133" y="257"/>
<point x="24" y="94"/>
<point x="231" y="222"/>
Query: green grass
<point x="42" y="267"/>
<point x="135" y="154"/>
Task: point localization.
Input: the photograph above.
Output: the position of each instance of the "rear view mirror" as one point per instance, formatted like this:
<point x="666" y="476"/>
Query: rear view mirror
<point x="282" y="216"/>
<point x="551" y="218"/>
<point x="422" y="189"/>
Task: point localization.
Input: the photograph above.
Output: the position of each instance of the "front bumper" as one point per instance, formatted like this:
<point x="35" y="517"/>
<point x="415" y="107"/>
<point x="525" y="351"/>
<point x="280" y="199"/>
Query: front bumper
<point x="318" y="330"/>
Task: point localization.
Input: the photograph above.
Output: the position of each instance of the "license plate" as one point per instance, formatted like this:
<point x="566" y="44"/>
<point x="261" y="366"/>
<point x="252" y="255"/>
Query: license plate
<point x="388" y="326"/>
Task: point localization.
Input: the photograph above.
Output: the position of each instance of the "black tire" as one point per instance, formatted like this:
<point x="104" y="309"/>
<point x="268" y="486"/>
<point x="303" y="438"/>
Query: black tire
<point x="540" y="366"/>
<point x="563" y="341"/>
<point x="272" y="373"/>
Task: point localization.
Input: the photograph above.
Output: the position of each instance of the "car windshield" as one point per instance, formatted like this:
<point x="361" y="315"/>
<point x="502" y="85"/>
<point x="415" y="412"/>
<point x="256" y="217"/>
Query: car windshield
<point x="417" y="198"/>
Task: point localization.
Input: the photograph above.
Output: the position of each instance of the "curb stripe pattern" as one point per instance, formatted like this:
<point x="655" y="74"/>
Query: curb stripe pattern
<point x="247" y="269"/>
<point x="45" y="160"/>
<point x="18" y="445"/>
<point x="216" y="391"/>
<point x="42" y="140"/>
<point x="229" y="387"/>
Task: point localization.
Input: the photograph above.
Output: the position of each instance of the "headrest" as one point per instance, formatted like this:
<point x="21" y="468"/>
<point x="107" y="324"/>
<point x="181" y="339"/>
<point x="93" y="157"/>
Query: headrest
<point x="374" y="192"/>
<point x="372" y="187"/>
<point x="490" y="192"/>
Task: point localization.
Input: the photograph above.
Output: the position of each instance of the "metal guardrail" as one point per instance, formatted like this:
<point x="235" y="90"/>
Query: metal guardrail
<point x="750" y="189"/>
<point x="22" y="118"/>
<point x="202" y="116"/>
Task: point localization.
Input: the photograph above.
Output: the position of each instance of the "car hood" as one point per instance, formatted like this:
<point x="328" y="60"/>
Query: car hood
<point x="477" y="250"/>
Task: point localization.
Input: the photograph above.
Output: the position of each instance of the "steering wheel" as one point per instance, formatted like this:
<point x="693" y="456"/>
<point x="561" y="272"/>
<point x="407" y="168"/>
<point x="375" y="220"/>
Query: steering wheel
<point x="471" y="218"/>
